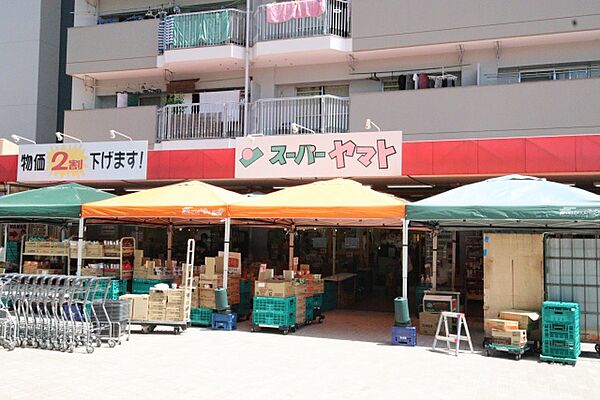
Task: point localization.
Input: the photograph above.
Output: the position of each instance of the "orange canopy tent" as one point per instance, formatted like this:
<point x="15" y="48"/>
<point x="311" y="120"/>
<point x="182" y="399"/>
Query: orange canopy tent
<point x="184" y="203"/>
<point x="337" y="202"/>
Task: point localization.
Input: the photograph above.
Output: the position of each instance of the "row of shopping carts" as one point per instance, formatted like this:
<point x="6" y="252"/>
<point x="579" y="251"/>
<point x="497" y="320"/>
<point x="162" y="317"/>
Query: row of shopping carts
<point x="58" y="312"/>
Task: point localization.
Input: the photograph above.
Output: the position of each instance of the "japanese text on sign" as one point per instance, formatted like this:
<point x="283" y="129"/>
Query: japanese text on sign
<point x="327" y="155"/>
<point x="83" y="161"/>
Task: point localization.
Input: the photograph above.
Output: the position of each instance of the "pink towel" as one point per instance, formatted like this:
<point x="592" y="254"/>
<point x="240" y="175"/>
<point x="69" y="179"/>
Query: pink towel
<point x="311" y="8"/>
<point x="278" y="13"/>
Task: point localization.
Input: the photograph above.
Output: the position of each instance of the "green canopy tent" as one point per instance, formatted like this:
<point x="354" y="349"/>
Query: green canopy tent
<point x="55" y="204"/>
<point x="512" y="202"/>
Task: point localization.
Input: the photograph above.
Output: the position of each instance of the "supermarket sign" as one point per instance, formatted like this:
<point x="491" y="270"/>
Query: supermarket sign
<point x="94" y="161"/>
<point x="367" y="154"/>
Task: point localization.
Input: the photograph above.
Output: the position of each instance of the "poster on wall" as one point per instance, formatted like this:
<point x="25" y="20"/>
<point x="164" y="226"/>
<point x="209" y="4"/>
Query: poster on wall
<point x="366" y="154"/>
<point x="94" y="161"/>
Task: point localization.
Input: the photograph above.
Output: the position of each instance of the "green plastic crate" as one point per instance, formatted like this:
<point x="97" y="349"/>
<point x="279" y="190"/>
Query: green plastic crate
<point x="561" y="349"/>
<point x="554" y="331"/>
<point x="118" y="287"/>
<point x="275" y="304"/>
<point x="318" y="300"/>
<point x="310" y="308"/>
<point x="201" y="316"/>
<point x="273" y="319"/>
<point x="143" y="286"/>
<point x="556" y="312"/>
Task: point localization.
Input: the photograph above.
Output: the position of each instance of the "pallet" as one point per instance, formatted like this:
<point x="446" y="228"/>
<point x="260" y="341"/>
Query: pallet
<point x="561" y="360"/>
<point x="517" y="351"/>
<point x="283" y="329"/>
<point x="149" y="326"/>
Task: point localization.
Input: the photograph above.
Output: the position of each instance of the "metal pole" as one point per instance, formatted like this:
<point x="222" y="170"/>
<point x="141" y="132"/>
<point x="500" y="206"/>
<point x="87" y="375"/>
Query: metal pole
<point x="169" y="244"/>
<point x="247" y="69"/>
<point x="334" y="239"/>
<point x="454" y="234"/>
<point x="405" y="224"/>
<point x="6" y="229"/>
<point x="226" y="251"/>
<point x="79" y="249"/>
<point x="434" y="261"/>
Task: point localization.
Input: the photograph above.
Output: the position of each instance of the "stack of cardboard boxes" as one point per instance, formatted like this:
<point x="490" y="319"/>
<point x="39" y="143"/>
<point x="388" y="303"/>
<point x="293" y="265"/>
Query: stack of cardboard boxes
<point x="157" y="305"/>
<point x="175" y="305"/>
<point x="153" y="269"/>
<point x="433" y="305"/>
<point x="512" y="328"/>
<point x="211" y="278"/>
<point x="138" y="306"/>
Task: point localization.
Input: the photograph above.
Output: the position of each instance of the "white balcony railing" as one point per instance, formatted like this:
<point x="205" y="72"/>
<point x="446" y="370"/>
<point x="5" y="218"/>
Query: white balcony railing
<point x="302" y="18"/>
<point x="321" y="114"/>
<point x="200" y="121"/>
<point x="203" y="29"/>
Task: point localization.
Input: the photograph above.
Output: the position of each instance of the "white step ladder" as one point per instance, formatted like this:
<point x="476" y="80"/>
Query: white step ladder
<point x="451" y="338"/>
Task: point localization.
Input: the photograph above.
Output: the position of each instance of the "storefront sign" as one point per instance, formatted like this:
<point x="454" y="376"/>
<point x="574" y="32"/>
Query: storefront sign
<point x="368" y="154"/>
<point x="99" y="161"/>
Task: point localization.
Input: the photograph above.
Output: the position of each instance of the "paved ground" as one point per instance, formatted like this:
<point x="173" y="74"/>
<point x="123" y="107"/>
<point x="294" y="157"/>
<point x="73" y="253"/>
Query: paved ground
<point x="347" y="357"/>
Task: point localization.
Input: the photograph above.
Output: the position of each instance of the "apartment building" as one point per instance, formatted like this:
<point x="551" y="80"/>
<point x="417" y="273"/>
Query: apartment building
<point x="478" y="88"/>
<point x="33" y="95"/>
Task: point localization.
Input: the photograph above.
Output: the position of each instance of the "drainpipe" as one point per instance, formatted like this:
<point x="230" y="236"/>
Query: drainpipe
<point x="247" y="68"/>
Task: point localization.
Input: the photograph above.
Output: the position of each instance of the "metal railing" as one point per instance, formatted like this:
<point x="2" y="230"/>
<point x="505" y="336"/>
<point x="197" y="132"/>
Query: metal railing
<point x="302" y="18"/>
<point x="545" y="74"/>
<point x="321" y="114"/>
<point x="203" y="29"/>
<point x="200" y="121"/>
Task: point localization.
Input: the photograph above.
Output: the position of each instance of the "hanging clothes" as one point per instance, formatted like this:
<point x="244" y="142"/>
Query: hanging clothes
<point x="278" y="13"/>
<point x="415" y="79"/>
<point x="310" y="8"/>
<point x="402" y="82"/>
<point x="423" y="81"/>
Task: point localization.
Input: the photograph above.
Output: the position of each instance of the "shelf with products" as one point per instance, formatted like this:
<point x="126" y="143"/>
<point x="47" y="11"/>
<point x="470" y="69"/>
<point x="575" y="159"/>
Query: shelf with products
<point x="102" y="253"/>
<point x="473" y="265"/>
<point x="41" y="255"/>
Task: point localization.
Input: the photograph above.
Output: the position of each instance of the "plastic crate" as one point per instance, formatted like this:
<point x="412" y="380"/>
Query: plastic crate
<point x="225" y="322"/>
<point x="275" y="304"/>
<point x="201" y="316"/>
<point x="118" y="287"/>
<point x="404" y="335"/>
<point x="554" y="331"/>
<point x="560" y="312"/>
<point x="143" y="286"/>
<point x="245" y="286"/>
<point x="317" y="300"/>
<point x="561" y="349"/>
<point x="272" y="319"/>
<point x="310" y="308"/>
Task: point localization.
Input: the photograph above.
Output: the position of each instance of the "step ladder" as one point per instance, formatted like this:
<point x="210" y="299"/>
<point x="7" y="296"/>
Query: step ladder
<point x="452" y="338"/>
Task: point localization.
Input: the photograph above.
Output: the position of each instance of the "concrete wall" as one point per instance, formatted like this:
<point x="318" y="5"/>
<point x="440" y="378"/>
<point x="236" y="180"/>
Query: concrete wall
<point x="29" y="43"/>
<point x="94" y="125"/>
<point x="112" y="47"/>
<point x="526" y="109"/>
<point x="401" y="23"/>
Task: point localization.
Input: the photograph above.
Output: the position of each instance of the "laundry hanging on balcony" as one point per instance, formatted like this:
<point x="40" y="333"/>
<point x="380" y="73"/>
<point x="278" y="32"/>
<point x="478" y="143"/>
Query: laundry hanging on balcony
<point x="201" y="29"/>
<point x="225" y="103"/>
<point x="278" y="13"/>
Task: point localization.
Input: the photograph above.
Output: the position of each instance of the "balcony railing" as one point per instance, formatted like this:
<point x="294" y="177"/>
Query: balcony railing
<point x="321" y="114"/>
<point x="200" y="121"/>
<point x="203" y="29"/>
<point x="301" y="19"/>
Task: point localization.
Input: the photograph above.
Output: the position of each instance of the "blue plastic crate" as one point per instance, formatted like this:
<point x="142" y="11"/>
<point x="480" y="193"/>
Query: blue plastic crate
<point x="224" y="322"/>
<point x="404" y="335"/>
<point x="201" y="316"/>
<point x="560" y="312"/>
<point x="275" y="304"/>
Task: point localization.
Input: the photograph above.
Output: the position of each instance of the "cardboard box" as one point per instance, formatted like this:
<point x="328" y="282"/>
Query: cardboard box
<point x="499" y="324"/>
<point x="206" y="294"/>
<point x="175" y="296"/>
<point x="528" y="320"/>
<point x="235" y="262"/>
<point x="157" y="315"/>
<point x="274" y="289"/>
<point x="438" y="303"/>
<point x="512" y="338"/>
<point x="265" y="275"/>
<point x="207" y="303"/>
<point x="213" y="266"/>
<point x="428" y="323"/>
<point x="140" y="307"/>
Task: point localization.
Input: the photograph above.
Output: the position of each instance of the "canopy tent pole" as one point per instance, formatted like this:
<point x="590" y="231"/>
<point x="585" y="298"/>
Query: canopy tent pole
<point x="292" y="237"/>
<point x="334" y="250"/>
<point x="226" y="251"/>
<point x="454" y="234"/>
<point x="405" y="224"/>
<point x="169" y="244"/>
<point x="79" y="248"/>
<point x="434" y="260"/>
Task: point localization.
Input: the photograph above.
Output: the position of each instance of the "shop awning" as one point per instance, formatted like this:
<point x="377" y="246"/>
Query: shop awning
<point x="181" y="203"/>
<point x="49" y="203"/>
<point x="512" y="201"/>
<point x="342" y="202"/>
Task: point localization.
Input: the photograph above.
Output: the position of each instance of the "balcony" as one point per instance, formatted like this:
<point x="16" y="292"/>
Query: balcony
<point x="288" y="31"/>
<point x="200" y="121"/>
<point x="210" y="40"/>
<point x="564" y="107"/>
<point x="319" y="114"/>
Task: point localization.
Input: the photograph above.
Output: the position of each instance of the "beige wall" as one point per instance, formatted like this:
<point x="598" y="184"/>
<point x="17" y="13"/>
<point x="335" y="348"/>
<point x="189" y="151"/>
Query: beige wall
<point x="395" y="23"/>
<point x="112" y="47"/>
<point x="94" y="125"/>
<point x="525" y="109"/>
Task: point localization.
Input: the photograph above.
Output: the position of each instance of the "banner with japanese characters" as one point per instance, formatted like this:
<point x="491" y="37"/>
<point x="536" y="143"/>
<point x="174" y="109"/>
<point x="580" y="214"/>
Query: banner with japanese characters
<point x="94" y="161"/>
<point x="367" y="154"/>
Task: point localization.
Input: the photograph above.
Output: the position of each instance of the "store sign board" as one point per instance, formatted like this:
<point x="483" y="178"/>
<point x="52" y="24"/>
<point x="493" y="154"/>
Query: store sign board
<point x="366" y="154"/>
<point x="94" y="161"/>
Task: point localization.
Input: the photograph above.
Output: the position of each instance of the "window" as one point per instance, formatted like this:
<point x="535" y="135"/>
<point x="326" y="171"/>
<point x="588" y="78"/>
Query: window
<point x="334" y="90"/>
<point x="556" y="72"/>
